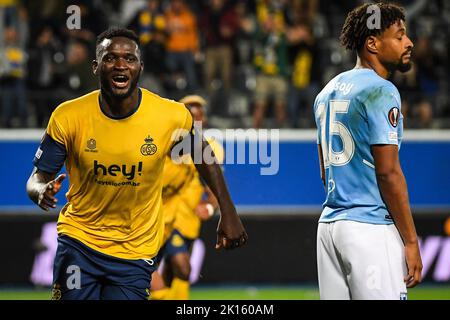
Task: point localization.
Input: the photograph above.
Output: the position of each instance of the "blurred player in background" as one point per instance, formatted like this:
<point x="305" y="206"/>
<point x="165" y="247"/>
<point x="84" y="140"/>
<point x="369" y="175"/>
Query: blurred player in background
<point x="184" y="209"/>
<point x="114" y="143"/>
<point x="366" y="230"/>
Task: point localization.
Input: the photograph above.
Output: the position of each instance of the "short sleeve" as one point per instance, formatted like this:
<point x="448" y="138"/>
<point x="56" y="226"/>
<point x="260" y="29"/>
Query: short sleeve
<point x="384" y="116"/>
<point x="184" y="128"/>
<point x="55" y="130"/>
<point x="317" y="115"/>
<point x="52" y="153"/>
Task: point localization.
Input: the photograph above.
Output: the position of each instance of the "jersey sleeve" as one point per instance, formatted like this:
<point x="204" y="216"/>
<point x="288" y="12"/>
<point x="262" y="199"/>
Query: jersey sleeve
<point x="52" y="151"/>
<point x="185" y="128"/>
<point x="317" y="120"/>
<point x="384" y="116"/>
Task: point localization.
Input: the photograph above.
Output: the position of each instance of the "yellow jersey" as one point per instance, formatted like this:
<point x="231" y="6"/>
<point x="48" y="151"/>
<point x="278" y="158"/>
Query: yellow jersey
<point x="115" y="171"/>
<point x="183" y="192"/>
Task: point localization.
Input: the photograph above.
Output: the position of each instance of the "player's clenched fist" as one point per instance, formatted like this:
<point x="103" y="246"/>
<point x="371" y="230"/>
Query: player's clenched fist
<point x="46" y="198"/>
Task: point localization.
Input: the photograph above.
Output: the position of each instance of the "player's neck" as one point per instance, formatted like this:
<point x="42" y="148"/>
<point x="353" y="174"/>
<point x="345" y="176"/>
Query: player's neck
<point x="373" y="64"/>
<point x="119" y="108"/>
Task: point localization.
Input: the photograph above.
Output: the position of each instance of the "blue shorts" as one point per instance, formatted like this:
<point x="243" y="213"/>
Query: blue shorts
<point x="81" y="273"/>
<point x="176" y="243"/>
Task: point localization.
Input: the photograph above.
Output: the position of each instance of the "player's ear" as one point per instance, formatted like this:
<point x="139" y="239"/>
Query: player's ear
<point x="372" y="44"/>
<point x="94" y="67"/>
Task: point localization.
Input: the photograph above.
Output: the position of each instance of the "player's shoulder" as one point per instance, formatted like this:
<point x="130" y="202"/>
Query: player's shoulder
<point x="369" y="81"/>
<point x="77" y="106"/>
<point x="156" y="100"/>
<point x="381" y="91"/>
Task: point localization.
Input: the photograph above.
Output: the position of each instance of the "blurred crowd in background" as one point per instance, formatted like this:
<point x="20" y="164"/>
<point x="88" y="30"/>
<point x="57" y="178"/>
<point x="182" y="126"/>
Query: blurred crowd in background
<point x="259" y="63"/>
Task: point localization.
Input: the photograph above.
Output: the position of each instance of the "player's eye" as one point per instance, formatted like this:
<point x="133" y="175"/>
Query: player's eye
<point x="131" y="59"/>
<point x="108" y="58"/>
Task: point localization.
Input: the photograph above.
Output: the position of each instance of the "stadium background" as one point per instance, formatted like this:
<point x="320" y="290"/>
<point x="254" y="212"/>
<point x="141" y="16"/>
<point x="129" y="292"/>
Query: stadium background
<point x="51" y="63"/>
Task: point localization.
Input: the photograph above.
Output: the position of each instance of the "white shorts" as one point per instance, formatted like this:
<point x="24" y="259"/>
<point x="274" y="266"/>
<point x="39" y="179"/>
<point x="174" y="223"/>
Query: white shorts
<point x="360" y="261"/>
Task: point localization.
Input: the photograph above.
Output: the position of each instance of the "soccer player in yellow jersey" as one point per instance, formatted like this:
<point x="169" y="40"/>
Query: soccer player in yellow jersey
<point x="183" y="210"/>
<point x="114" y="142"/>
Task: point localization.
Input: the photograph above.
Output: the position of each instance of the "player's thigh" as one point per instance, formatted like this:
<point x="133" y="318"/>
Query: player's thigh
<point x="373" y="256"/>
<point x="181" y="264"/>
<point x="74" y="275"/>
<point x="332" y="279"/>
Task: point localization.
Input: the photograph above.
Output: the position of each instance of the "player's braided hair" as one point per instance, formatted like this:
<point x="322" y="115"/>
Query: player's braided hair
<point x="355" y="30"/>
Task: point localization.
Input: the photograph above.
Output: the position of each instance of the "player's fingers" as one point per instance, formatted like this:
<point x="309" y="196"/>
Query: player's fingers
<point x="226" y="243"/>
<point x="219" y="244"/>
<point x="416" y="279"/>
<point x="49" y="196"/>
<point x="47" y="203"/>
<point x="57" y="182"/>
<point x="43" y="205"/>
<point x="244" y="238"/>
<point x="60" y="178"/>
<point x="409" y="275"/>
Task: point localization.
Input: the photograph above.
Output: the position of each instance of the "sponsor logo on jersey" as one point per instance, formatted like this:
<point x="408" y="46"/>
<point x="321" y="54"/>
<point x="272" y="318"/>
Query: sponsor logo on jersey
<point x="115" y="169"/>
<point x="149" y="148"/>
<point x="38" y="153"/>
<point x="393" y="136"/>
<point x="394" y="116"/>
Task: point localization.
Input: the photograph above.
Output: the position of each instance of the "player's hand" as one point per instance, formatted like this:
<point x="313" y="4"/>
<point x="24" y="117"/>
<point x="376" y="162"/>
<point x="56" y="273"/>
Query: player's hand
<point x="414" y="265"/>
<point x="204" y="211"/>
<point x="46" y="198"/>
<point x="230" y="231"/>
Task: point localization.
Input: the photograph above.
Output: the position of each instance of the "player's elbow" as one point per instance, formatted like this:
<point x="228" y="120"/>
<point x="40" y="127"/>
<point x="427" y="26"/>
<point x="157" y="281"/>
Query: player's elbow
<point x="388" y="175"/>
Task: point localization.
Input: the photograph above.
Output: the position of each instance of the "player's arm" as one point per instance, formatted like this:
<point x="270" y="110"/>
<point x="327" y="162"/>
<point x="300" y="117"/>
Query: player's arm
<point x="393" y="189"/>
<point x="230" y="231"/>
<point x="322" y="166"/>
<point x="42" y="187"/>
<point x="48" y="161"/>
<point x="206" y="209"/>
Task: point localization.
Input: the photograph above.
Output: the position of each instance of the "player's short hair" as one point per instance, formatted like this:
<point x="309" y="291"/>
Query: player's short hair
<point x="116" y="32"/>
<point x="356" y="30"/>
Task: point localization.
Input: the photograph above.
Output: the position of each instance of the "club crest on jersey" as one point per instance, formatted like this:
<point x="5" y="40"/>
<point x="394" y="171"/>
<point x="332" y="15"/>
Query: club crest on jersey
<point x="149" y="148"/>
<point x="394" y="116"/>
<point x="56" y="292"/>
<point x="91" y="146"/>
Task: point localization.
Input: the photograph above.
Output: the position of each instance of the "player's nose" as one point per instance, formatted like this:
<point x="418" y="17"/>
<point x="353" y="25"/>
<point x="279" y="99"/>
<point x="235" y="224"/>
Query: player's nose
<point x="409" y="43"/>
<point x="120" y="64"/>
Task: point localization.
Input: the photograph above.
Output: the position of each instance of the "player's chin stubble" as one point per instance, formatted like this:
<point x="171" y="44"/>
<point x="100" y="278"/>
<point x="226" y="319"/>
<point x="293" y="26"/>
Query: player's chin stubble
<point x="404" y="67"/>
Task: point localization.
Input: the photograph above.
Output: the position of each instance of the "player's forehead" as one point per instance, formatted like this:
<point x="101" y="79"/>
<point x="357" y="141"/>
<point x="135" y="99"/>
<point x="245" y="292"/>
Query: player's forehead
<point x="397" y="27"/>
<point x="118" y="45"/>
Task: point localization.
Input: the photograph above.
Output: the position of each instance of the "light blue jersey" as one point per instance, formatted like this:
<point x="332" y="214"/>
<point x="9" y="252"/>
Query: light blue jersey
<point x="355" y="110"/>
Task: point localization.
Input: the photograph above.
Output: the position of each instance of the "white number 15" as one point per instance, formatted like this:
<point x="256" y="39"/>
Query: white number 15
<point x="337" y="128"/>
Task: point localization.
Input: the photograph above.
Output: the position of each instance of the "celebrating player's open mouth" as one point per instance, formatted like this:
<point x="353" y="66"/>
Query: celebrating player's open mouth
<point x="120" y="81"/>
